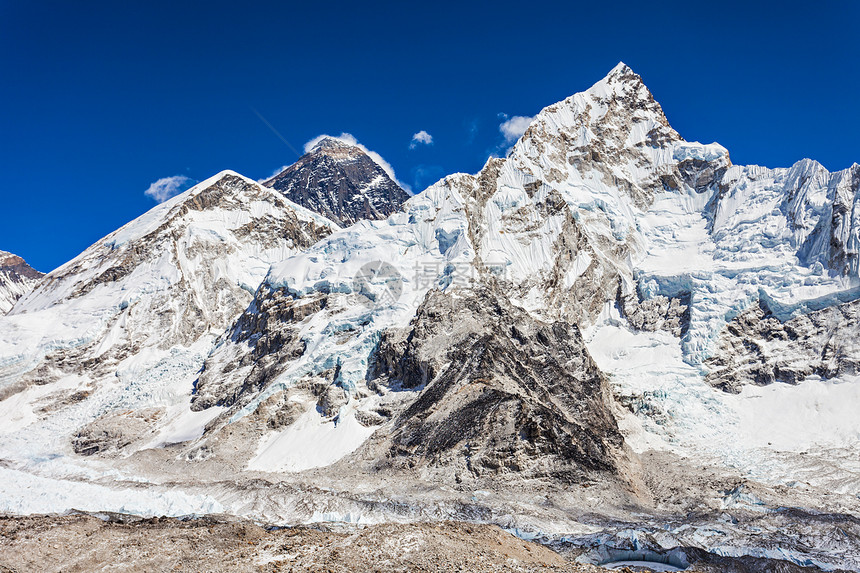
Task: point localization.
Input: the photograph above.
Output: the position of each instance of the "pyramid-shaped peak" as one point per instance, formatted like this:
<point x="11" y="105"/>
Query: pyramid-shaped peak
<point x="9" y="259"/>
<point x="620" y="78"/>
<point x="341" y="180"/>
<point x="12" y="261"/>
<point x="620" y="70"/>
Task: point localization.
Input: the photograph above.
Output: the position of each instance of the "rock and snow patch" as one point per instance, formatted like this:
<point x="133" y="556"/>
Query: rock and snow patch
<point x="310" y="442"/>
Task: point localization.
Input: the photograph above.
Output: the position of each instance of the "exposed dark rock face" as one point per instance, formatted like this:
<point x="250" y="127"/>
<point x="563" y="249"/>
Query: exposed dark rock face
<point x="502" y="392"/>
<point x="10" y="263"/>
<point x="264" y="337"/>
<point x="701" y="175"/>
<point x="16" y="279"/>
<point x="340" y="181"/>
<point x="758" y="348"/>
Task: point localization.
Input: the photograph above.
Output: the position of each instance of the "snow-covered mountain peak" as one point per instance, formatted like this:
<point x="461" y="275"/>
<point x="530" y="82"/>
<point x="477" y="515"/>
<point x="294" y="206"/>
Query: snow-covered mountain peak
<point x="613" y="137"/>
<point x="342" y="148"/>
<point x="624" y="84"/>
<point x="617" y="77"/>
<point x="615" y="113"/>
<point x="620" y="69"/>
<point x="223" y="205"/>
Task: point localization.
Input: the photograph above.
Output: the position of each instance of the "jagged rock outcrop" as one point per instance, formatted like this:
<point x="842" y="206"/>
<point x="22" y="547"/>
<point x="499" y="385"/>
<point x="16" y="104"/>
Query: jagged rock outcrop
<point x="114" y="432"/>
<point x="17" y="278"/>
<point x="265" y="339"/>
<point x="499" y="391"/>
<point x="340" y="181"/>
<point x="656" y="313"/>
<point x="758" y="348"/>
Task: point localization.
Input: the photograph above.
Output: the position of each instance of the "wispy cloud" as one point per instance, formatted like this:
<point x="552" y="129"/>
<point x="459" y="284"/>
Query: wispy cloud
<point x="514" y="127"/>
<point x="472" y="128"/>
<point x="351" y="140"/>
<point x="419" y="138"/>
<point x="424" y="175"/>
<point x="167" y="187"/>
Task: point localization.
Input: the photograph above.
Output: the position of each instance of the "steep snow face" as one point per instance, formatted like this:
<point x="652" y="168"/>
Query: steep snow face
<point x="656" y="216"/>
<point x="341" y="182"/>
<point x="128" y="322"/>
<point x="569" y="215"/>
<point x="17" y="278"/>
<point x="780" y="235"/>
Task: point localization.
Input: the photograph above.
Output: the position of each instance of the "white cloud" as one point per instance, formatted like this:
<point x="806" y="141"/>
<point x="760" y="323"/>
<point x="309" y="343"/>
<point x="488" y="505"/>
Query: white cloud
<point x="514" y="127"/>
<point x="351" y="140"/>
<point x="167" y="187"/>
<point x="344" y="137"/>
<point x="421" y="137"/>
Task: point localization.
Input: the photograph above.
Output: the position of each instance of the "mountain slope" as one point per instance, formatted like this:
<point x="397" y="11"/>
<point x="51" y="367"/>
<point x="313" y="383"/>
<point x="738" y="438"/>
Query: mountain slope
<point x="126" y="322"/>
<point x="340" y="181"/>
<point x="17" y="278"/>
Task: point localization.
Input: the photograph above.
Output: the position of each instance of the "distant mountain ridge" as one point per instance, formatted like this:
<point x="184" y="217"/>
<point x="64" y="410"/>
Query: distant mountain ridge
<point x="17" y="278"/>
<point x="341" y="182"/>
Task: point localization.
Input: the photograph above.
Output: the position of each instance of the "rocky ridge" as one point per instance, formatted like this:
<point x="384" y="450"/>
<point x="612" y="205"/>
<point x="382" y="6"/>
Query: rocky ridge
<point x="17" y="278"/>
<point x="137" y="312"/>
<point x="758" y="348"/>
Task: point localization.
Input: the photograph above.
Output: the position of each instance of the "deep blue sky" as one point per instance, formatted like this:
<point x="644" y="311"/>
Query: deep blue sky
<point x="97" y="101"/>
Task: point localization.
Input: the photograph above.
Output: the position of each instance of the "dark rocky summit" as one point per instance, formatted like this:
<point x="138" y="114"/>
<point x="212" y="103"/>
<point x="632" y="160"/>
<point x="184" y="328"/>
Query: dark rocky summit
<point x="340" y="181"/>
